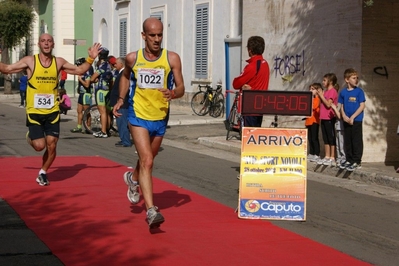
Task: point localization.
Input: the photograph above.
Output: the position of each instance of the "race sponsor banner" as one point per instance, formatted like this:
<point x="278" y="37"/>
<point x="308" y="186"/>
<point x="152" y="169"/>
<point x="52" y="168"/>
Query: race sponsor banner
<point x="273" y="174"/>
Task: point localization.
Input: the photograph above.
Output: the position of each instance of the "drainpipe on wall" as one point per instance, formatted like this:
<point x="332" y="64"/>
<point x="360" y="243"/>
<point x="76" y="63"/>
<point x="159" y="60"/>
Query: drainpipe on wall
<point x="227" y="43"/>
<point x="233" y="37"/>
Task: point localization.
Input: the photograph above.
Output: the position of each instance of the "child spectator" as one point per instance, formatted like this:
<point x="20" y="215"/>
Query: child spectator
<point x="352" y="99"/>
<point x="312" y="124"/>
<point x="23" y="84"/>
<point x="339" y="135"/>
<point x="65" y="101"/>
<point x="327" y="117"/>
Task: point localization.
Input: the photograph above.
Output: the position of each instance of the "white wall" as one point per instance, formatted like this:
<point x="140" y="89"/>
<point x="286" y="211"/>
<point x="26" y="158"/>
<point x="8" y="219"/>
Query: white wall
<point x="64" y="28"/>
<point x="178" y="18"/>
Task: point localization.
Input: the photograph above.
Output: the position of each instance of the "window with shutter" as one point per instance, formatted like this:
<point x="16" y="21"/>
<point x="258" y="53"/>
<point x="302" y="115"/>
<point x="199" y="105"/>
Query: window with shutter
<point x="158" y="15"/>
<point x="201" y="41"/>
<point x="122" y="37"/>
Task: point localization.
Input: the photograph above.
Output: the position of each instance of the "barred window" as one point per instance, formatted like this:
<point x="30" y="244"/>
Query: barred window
<point x="123" y="37"/>
<point x="201" y="41"/>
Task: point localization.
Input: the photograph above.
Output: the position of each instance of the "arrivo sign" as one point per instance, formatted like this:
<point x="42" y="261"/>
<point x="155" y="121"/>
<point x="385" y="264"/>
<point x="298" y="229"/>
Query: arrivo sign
<point x="257" y="102"/>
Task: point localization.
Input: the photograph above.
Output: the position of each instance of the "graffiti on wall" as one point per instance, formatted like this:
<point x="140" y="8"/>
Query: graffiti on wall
<point x="381" y="70"/>
<point x="289" y="65"/>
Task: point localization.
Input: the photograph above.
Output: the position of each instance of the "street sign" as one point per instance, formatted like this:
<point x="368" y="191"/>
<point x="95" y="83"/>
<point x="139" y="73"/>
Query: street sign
<point x="74" y="42"/>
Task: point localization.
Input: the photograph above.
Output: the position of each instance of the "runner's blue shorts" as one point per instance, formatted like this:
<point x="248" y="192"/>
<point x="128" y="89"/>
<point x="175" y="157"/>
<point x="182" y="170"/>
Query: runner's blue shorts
<point x="155" y="128"/>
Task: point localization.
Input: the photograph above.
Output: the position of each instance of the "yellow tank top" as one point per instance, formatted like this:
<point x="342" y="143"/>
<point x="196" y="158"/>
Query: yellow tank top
<point x="150" y="75"/>
<point x="41" y="94"/>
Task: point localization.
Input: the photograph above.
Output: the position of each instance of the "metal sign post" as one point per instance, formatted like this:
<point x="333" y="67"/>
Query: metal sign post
<point x="74" y="42"/>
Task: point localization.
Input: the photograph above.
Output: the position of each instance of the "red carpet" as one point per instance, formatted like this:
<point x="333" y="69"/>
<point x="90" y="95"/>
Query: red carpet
<point x="85" y="218"/>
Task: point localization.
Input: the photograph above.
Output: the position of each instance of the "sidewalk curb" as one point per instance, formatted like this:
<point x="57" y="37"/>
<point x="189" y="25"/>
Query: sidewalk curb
<point x="181" y="115"/>
<point x="364" y="174"/>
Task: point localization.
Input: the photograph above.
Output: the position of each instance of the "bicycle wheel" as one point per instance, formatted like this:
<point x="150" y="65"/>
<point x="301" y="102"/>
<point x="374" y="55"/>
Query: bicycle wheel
<point x="200" y="103"/>
<point x="91" y="119"/>
<point x="234" y="122"/>
<point x="217" y="107"/>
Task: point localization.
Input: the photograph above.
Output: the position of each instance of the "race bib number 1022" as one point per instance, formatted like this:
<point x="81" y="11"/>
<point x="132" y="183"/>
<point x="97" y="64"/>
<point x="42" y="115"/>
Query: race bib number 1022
<point x="150" y="78"/>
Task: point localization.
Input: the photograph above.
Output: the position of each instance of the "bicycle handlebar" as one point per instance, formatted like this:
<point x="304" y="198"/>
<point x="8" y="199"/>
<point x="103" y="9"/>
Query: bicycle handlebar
<point x="209" y="88"/>
<point x="233" y="92"/>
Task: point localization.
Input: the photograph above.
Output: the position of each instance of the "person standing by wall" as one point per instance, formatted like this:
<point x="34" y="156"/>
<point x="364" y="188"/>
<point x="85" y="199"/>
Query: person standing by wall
<point x="255" y="75"/>
<point x="63" y="77"/>
<point x="23" y="84"/>
<point x="84" y="98"/>
<point x="155" y="72"/>
<point x="312" y="124"/>
<point x="352" y="99"/>
<point x="102" y="79"/>
<point x="339" y="135"/>
<point x="327" y="117"/>
<point x="121" y="121"/>
<point x="42" y="108"/>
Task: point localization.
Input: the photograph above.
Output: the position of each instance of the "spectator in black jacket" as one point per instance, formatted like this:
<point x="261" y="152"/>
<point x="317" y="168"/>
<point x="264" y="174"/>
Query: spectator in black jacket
<point x="121" y="121"/>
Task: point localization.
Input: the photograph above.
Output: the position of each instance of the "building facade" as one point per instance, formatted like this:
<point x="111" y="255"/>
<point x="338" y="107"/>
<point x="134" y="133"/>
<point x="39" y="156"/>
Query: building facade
<point x="66" y="20"/>
<point x="304" y="41"/>
<point x="196" y="30"/>
<point x="307" y="39"/>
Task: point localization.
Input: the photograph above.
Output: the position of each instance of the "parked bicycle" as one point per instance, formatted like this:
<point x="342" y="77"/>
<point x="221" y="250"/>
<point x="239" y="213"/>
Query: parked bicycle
<point x="92" y="122"/>
<point x="208" y="100"/>
<point x="235" y="121"/>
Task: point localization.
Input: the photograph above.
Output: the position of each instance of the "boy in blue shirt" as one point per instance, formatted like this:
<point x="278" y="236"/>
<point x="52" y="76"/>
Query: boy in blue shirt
<point x="352" y="100"/>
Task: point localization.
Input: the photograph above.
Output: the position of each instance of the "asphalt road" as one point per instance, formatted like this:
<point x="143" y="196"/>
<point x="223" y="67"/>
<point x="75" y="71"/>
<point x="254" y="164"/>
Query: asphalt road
<point x="346" y="215"/>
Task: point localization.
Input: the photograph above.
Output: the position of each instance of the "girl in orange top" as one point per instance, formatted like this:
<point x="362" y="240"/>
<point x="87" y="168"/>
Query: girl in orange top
<point x="312" y="124"/>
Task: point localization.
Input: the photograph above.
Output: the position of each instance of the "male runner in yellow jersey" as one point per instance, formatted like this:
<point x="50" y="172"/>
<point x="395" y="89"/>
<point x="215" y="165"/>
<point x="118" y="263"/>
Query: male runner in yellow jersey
<point x="43" y="114"/>
<point x="155" y="72"/>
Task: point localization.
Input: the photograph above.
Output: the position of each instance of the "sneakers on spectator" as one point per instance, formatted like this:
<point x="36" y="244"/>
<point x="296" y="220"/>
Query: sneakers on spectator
<point x="345" y="165"/>
<point x="76" y="130"/>
<point x="321" y="161"/>
<point x="328" y="161"/>
<point x="100" y="134"/>
<point x="42" y="180"/>
<point x="310" y="157"/>
<point x="315" y="158"/>
<point x="154" y="217"/>
<point x="341" y="160"/>
<point x="133" y="191"/>
<point x="353" y="167"/>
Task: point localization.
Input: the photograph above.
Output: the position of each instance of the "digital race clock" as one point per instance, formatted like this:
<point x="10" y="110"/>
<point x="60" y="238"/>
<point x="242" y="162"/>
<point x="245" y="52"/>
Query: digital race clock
<point x="257" y="102"/>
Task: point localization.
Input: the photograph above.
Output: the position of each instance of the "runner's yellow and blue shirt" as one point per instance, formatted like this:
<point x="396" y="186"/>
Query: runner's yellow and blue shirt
<point x="41" y="95"/>
<point x="148" y="76"/>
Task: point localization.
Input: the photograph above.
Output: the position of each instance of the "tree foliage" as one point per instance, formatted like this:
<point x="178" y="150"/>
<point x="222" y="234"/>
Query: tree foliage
<point x="16" y="21"/>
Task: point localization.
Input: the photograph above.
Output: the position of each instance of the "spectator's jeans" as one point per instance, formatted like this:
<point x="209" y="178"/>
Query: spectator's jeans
<point x="123" y="129"/>
<point x="23" y="97"/>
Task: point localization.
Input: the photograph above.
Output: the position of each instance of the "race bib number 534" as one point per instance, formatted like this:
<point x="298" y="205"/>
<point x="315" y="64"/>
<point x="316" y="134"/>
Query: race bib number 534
<point x="45" y="101"/>
<point x="149" y="78"/>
